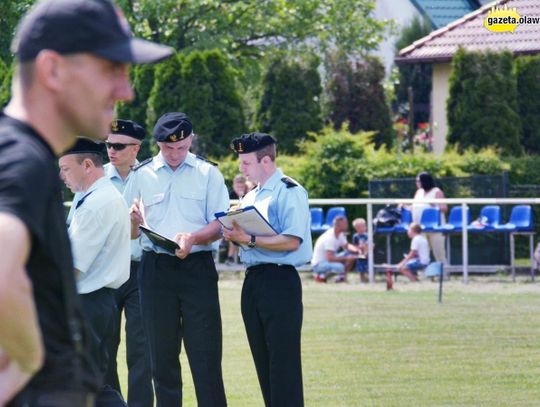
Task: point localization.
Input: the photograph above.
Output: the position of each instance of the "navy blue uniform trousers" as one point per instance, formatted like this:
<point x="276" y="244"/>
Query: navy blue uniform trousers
<point x="272" y="311"/>
<point x="179" y="300"/>
<point x="140" y="392"/>
<point x="99" y="308"/>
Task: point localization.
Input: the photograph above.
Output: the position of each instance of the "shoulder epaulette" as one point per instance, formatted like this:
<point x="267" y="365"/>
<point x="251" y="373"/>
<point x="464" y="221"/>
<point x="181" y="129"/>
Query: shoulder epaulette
<point x="289" y="182"/>
<point x="207" y="160"/>
<point x="142" y="164"/>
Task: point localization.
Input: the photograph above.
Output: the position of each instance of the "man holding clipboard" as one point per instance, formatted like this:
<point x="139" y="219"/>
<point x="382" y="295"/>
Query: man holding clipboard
<point x="272" y="292"/>
<point x="176" y="195"/>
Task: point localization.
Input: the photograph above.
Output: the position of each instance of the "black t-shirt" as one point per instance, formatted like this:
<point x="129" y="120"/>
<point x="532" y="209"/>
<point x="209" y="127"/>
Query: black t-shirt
<point x="30" y="189"/>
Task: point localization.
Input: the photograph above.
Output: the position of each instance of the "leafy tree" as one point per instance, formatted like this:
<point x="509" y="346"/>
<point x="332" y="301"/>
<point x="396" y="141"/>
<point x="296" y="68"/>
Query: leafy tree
<point x="167" y="91"/>
<point x="226" y="109"/>
<point x="5" y="83"/>
<point x="198" y="98"/>
<point x="482" y="108"/>
<point x="290" y="107"/>
<point x="330" y="164"/>
<point x="142" y="77"/>
<point x="12" y="11"/>
<point x="416" y="76"/>
<point x="203" y="85"/>
<point x="249" y="28"/>
<point x="356" y="95"/>
<point x="528" y="88"/>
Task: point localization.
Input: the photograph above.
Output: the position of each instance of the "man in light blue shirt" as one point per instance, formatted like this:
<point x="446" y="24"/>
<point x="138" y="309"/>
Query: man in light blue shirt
<point x="123" y="144"/>
<point x="177" y="194"/>
<point x="100" y="239"/>
<point x="272" y="293"/>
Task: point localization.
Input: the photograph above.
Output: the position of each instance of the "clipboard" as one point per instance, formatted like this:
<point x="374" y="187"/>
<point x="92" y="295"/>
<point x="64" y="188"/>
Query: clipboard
<point x="249" y="219"/>
<point x="159" y="240"/>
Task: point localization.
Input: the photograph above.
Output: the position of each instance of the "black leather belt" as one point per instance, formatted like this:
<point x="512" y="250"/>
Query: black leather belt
<point x="200" y="253"/>
<point x="267" y="266"/>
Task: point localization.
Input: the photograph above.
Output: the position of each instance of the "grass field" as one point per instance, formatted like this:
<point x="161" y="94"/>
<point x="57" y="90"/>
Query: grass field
<point x="364" y="346"/>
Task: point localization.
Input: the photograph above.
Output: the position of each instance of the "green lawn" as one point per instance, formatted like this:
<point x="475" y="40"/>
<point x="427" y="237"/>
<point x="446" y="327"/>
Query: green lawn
<point x="364" y="346"/>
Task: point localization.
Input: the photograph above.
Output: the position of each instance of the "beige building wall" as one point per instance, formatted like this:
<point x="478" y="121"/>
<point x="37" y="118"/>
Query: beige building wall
<point x="439" y="96"/>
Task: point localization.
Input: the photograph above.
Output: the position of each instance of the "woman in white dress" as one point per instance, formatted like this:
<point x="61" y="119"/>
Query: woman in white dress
<point x="426" y="189"/>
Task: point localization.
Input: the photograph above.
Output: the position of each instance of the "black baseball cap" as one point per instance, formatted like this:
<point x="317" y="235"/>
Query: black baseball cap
<point x="72" y="26"/>
<point x="248" y="143"/>
<point x="172" y="127"/>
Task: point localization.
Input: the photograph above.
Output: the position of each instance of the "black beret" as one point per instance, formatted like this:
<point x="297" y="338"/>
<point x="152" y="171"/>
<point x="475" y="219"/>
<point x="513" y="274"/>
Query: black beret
<point x="86" y="146"/>
<point x="172" y="127"/>
<point x="128" y="128"/>
<point x="248" y="143"/>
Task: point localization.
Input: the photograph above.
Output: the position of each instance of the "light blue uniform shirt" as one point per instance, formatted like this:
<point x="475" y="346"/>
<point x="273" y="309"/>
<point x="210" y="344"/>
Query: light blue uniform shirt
<point x="287" y="210"/>
<point x="112" y="173"/>
<point x="100" y="238"/>
<point x="184" y="200"/>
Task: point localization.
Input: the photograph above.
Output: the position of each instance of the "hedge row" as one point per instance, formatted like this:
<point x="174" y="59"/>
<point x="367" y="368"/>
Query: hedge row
<point x="340" y="164"/>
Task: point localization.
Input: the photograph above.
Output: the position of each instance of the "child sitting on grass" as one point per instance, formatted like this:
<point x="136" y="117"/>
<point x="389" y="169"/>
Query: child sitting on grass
<point x="418" y="256"/>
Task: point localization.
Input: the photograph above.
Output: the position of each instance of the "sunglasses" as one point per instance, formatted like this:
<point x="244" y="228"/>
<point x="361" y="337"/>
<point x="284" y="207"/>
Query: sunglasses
<point x="118" y="146"/>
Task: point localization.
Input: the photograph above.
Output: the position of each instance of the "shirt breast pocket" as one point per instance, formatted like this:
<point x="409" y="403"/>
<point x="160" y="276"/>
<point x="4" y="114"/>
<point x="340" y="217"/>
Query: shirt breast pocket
<point x="193" y="205"/>
<point x="153" y="210"/>
<point x="153" y="200"/>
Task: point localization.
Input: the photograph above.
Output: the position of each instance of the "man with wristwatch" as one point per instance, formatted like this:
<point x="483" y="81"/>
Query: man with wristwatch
<point x="272" y="292"/>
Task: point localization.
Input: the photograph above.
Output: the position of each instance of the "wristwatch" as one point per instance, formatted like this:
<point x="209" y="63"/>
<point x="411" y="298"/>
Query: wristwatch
<point x="251" y="244"/>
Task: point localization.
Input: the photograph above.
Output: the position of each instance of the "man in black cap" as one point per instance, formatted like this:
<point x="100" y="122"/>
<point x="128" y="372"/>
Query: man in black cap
<point x="99" y="234"/>
<point x="179" y="193"/>
<point x="123" y="144"/>
<point x="272" y="293"/>
<point x="72" y="66"/>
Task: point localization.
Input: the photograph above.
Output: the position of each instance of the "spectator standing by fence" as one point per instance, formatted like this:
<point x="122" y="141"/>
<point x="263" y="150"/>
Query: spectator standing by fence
<point x="426" y="189"/>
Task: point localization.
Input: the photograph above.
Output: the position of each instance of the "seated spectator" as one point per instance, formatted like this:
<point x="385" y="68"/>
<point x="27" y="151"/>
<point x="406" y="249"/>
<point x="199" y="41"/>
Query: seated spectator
<point x="326" y="259"/>
<point x="418" y="256"/>
<point x="360" y="240"/>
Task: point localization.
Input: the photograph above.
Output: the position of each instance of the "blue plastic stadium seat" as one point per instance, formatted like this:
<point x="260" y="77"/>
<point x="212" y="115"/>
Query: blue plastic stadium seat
<point x="406" y="220"/>
<point x="430" y="219"/>
<point x="331" y="214"/>
<point x="490" y="218"/>
<point x="454" y="220"/>
<point x="316" y="219"/>
<point x="521" y="220"/>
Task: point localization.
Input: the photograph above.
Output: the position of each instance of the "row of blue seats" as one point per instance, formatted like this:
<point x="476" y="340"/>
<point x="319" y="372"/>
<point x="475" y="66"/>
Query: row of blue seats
<point x="521" y="220"/>
<point x="319" y="223"/>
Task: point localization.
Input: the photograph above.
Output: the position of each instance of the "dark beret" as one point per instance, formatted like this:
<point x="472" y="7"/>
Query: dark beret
<point x="128" y="128"/>
<point x="247" y="143"/>
<point x="172" y="127"/>
<point x="84" y="145"/>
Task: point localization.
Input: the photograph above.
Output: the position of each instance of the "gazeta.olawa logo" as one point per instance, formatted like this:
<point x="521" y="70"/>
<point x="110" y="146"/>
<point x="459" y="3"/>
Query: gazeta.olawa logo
<point x="505" y="19"/>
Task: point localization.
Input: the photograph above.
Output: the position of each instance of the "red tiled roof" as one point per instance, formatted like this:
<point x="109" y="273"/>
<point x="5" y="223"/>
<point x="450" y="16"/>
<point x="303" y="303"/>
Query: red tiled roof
<point x="469" y="32"/>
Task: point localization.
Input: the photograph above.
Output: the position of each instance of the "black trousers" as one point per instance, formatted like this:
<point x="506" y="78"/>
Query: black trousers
<point x="180" y="302"/>
<point x="99" y="308"/>
<point x="140" y="391"/>
<point x="272" y="312"/>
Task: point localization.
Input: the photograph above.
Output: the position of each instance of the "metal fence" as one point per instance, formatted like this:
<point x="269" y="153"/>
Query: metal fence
<point x="464" y="202"/>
